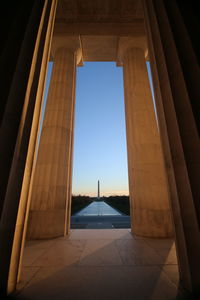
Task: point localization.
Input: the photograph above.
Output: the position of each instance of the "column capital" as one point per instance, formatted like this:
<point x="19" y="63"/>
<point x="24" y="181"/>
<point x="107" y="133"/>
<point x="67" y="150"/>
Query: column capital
<point x="126" y="43"/>
<point x="72" y="43"/>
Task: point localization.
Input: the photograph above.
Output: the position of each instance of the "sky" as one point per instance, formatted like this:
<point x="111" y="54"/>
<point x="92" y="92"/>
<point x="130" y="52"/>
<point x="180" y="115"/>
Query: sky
<point x="100" y="138"/>
<point x="100" y="151"/>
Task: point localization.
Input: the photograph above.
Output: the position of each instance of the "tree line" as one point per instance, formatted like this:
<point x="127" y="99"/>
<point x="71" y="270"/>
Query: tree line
<point x="121" y="203"/>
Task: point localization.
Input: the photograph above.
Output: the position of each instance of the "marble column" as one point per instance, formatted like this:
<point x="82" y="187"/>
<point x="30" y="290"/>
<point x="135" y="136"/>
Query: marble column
<point x="26" y="93"/>
<point x="50" y="197"/>
<point x="175" y="73"/>
<point x="70" y="174"/>
<point x="151" y="214"/>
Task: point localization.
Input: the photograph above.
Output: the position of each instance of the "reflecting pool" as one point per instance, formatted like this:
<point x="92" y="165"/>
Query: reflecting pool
<point x="98" y="208"/>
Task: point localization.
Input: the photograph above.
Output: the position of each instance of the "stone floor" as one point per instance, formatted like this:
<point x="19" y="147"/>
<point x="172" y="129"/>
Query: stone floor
<point x="99" y="264"/>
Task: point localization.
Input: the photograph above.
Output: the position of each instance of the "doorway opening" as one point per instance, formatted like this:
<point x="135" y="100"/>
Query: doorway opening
<point x="50" y="261"/>
<point x="100" y="195"/>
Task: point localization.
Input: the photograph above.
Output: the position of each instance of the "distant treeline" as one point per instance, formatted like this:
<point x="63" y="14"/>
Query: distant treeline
<point x="79" y="202"/>
<point x="121" y="203"/>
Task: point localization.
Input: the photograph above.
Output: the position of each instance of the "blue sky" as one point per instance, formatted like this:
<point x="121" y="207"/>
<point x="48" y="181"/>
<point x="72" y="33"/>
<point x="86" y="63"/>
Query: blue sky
<point x="100" y="136"/>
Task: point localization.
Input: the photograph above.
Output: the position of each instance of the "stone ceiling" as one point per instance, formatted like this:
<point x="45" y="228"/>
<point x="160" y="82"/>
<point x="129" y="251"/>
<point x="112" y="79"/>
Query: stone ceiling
<point x="98" y="11"/>
<point x="99" y="24"/>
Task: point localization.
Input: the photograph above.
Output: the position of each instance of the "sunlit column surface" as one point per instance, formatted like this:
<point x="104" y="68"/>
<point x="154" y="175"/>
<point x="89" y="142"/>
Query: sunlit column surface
<point x="50" y="194"/>
<point x="151" y="215"/>
<point x="30" y="77"/>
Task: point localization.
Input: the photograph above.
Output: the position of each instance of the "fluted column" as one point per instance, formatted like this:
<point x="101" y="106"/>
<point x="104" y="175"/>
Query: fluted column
<point x="176" y="76"/>
<point x="151" y="215"/>
<point x="23" y="107"/>
<point x="69" y="190"/>
<point x="50" y="195"/>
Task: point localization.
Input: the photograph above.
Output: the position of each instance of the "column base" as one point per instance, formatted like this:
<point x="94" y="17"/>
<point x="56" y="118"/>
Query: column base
<point x="152" y="223"/>
<point x="46" y="224"/>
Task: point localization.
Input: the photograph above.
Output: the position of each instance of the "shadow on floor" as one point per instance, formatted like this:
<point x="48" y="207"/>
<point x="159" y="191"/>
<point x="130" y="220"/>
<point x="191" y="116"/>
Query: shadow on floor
<point x="97" y="264"/>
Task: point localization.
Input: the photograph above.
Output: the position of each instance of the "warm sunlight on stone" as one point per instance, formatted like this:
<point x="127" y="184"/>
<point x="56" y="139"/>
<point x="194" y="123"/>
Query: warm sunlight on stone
<point x="132" y="254"/>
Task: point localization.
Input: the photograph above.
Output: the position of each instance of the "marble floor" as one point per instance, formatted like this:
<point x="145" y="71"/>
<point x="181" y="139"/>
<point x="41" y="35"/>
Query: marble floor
<point x="99" y="264"/>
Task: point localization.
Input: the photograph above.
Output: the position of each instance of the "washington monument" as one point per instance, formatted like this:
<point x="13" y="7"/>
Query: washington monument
<point x="98" y="192"/>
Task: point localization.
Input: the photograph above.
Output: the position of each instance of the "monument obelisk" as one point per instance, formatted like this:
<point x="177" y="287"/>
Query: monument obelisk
<point x="98" y="193"/>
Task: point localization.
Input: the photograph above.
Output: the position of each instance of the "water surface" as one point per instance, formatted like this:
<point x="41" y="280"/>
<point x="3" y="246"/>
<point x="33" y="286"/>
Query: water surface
<point x="98" y="208"/>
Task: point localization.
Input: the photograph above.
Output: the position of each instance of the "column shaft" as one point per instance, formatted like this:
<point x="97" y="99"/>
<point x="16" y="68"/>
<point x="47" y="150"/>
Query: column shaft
<point x="22" y="108"/>
<point x="69" y="190"/>
<point x="51" y="182"/>
<point x="177" y="98"/>
<point x="151" y="215"/>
